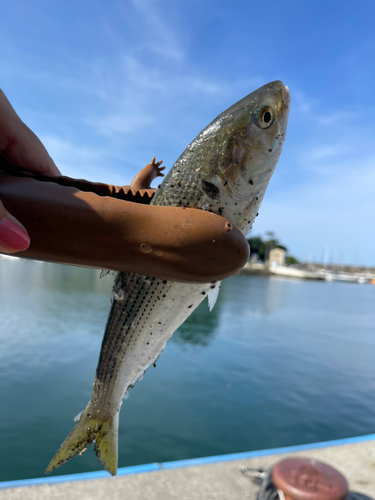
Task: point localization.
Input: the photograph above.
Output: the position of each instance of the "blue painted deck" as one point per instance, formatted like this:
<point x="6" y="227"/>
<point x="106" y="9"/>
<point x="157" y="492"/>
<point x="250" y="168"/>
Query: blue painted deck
<point x="138" y="469"/>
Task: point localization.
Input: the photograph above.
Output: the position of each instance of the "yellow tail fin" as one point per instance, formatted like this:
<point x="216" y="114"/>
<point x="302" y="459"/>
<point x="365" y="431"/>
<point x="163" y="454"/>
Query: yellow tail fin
<point x="87" y="429"/>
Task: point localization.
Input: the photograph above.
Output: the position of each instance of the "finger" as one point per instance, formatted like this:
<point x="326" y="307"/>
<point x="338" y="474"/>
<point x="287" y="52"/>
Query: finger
<point x="158" y="163"/>
<point x="161" y="168"/>
<point x="159" y="174"/>
<point x="26" y="151"/>
<point x="13" y="235"/>
<point x="19" y="145"/>
<point x="152" y="162"/>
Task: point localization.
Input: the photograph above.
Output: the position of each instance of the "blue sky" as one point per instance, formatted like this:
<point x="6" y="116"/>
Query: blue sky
<point x="108" y="84"/>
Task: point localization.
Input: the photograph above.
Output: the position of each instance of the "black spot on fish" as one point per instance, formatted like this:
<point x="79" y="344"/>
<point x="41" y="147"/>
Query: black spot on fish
<point x="251" y="181"/>
<point x="210" y="189"/>
<point x="189" y="307"/>
<point x="203" y="293"/>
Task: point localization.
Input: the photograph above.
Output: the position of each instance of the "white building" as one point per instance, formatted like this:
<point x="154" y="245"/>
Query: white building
<point x="276" y="257"/>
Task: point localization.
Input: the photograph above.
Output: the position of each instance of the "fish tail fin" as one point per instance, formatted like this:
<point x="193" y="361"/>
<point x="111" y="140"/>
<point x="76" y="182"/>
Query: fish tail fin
<point x="106" y="445"/>
<point x="89" y="428"/>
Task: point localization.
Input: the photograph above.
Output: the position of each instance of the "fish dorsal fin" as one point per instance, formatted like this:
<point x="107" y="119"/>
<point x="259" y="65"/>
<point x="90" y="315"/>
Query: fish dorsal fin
<point x="213" y="295"/>
<point x="105" y="272"/>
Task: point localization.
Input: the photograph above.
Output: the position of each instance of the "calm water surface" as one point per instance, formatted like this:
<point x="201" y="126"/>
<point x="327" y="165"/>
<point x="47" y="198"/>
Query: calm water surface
<point x="276" y="363"/>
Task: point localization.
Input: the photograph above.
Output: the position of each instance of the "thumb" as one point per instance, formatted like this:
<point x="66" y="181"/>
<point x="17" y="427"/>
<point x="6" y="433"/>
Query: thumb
<point x="13" y="236"/>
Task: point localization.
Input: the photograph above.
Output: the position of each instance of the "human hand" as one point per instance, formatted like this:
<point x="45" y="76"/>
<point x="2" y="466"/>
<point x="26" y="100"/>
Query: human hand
<point x="22" y="148"/>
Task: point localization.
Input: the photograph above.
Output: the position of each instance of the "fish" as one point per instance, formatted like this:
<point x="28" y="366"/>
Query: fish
<point x="225" y="170"/>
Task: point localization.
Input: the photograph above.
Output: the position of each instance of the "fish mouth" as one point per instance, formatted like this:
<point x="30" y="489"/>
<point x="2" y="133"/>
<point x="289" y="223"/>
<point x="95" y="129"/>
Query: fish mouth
<point x="286" y="100"/>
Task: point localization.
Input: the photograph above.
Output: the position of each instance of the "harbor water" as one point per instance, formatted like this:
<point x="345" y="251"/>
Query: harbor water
<point x="278" y="362"/>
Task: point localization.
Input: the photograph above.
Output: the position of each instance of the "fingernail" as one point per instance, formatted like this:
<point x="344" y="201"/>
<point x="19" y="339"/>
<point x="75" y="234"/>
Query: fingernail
<point x="13" y="238"/>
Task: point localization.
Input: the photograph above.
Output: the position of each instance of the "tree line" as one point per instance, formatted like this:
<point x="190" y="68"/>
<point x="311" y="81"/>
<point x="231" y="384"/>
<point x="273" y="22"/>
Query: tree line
<point x="262" y="247"/>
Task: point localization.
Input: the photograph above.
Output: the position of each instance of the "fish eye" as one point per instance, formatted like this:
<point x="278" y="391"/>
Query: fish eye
<point x="264" y="117"/>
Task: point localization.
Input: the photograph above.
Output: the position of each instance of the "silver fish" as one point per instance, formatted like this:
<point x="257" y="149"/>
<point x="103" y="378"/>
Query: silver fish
<point x="225" y="170"/>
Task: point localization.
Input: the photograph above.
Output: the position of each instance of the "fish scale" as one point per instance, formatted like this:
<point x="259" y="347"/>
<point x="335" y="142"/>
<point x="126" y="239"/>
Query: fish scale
<point x="225" y="170"/>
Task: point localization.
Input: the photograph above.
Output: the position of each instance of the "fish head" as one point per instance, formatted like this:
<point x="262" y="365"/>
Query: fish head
<point x="249" y="137"/>
<point x="227" y="167"/>
<point x="254" y="133"/>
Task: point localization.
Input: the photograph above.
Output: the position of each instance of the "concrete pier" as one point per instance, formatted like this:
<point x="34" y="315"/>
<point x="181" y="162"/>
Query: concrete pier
<point x="226" y="477"/>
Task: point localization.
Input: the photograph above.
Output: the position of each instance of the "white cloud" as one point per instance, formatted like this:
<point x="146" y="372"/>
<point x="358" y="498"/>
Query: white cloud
<point x="308" y="106"/>
<point x="335" y="213"/>
<point x="335" y="117"/>
<point x="324" y="151"/>
<point x="82" y="161"/>
<point x="157" y="35"/>
<point x="123" y="122"/>
<point x="141" y="95"/>
<point x="302" y="103"/>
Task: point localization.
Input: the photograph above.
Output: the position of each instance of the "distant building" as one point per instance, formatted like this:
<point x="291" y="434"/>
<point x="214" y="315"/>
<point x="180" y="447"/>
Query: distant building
<point x="254" y="258"/>
<point x="276" y="257"/>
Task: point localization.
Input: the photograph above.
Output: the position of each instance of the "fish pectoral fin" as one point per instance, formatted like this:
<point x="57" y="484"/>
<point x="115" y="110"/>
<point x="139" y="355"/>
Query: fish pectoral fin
<point x="87" y="429"/>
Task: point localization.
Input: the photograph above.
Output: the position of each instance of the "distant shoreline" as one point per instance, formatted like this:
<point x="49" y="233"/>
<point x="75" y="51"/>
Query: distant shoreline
<point x="311" y="271"/>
